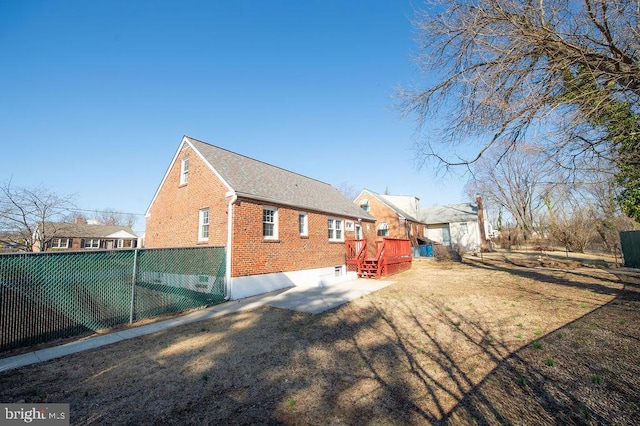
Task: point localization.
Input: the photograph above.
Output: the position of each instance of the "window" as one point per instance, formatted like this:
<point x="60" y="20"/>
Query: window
<point x="348" y="225"/>
<point x="59" y="243"/>
<point x="184" y="171"/>
<point x="464" y="229"/>
<point x="120" y="243"/>
<point x="203" y="225"/>
<point x="383" y="230"/>
<point x="270" y="223"/>
<point x="91" y="244"/>
<point x="303" y="224"/>
<point x="364" y="205"/>
<point x="335" y="229"/>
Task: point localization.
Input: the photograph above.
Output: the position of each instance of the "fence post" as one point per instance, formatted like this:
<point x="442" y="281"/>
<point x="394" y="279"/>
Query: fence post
<point x="134" y="278"/>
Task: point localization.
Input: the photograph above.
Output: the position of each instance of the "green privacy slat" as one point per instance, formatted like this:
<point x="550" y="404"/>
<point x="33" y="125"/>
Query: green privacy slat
<point x="630" y="243"/>
<point x="46" y="296"/>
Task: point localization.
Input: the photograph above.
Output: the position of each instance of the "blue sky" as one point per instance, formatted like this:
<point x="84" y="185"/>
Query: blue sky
<point x="96" y="95"/>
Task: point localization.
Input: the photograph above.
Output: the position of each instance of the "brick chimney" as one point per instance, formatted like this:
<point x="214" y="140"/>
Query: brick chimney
<point x="80" y="220"/>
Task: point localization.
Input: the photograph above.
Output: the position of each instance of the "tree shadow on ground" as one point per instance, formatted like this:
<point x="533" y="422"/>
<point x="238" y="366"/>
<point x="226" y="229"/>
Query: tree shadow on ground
<point x="594" y="280"/>
<point x="400" y="356"/>
<point x="586" y="372"/>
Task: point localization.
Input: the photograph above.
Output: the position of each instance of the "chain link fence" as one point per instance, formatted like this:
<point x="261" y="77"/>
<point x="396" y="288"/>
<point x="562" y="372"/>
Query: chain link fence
<point x="52" y="295"/>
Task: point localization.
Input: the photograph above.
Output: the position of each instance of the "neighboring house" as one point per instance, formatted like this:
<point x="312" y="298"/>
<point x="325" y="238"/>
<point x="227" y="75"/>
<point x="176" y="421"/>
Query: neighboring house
<point x="279" y="228"/>
<point x="454" y="224"/>
<point x="397" y="216"/>
<point x="10" y="242"/>
<point x="83" y="236"/>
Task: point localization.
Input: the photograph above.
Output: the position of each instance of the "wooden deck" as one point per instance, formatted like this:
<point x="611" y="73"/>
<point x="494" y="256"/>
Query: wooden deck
<point x="392" y="256"/>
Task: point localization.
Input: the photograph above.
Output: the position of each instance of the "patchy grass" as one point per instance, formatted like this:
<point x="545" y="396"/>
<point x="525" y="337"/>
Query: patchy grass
<point x="438" y="346"/>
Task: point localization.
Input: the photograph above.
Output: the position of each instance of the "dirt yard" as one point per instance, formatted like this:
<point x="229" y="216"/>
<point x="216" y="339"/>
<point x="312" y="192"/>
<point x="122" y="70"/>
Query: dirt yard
<point x="511" y="339"/>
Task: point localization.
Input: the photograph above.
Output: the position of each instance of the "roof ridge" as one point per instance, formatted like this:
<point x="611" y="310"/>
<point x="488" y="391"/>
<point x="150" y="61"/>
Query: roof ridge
<point x="258" y="161"/>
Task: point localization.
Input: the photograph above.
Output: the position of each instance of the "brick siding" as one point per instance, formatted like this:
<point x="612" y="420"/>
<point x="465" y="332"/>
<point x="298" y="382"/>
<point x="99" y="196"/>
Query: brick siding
<point x="397" y="228"/>
<point x="173" y="222"/>
<point x="174" y="215"/>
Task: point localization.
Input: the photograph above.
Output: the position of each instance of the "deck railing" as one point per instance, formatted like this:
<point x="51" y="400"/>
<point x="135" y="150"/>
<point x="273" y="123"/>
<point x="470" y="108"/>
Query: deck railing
<point x="356" y="252"/>
<point x="393" y="255"/>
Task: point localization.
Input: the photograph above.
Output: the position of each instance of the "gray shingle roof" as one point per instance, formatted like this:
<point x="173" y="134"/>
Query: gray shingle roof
<point x="392" y="202"/>
<point x="257" y="180"/>
<point x="466" y="212"/>
<point x="82" y="230"/>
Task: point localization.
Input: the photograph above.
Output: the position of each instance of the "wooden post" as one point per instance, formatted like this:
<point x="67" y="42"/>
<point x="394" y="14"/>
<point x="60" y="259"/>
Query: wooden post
<point x="483" y="235"/>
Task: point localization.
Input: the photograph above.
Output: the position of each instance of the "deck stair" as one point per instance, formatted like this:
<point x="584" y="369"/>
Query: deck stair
<point x="370" y="268"/>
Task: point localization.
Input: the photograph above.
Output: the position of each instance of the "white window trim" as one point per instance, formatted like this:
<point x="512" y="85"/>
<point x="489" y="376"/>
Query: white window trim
<point x="464" y="228"/>
<point x="305" y="229"/>
<point x="332" y="230"/>
<point x="202" y="224"/>
<point x="275" y="223"/>
<point x="59" y="240"/>
<point x="184" y="171"/>
<point x="348" y="225"/>
<point x="91" y="242"/>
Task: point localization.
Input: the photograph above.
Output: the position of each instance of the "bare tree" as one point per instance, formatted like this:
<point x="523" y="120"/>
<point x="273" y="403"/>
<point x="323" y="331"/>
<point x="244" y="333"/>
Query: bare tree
<point x="571" y="219"/>
<point x="110" y="216"/>
<point x="500" y="70"/>
<point x="348" y="190"/>
<point x="512" y="182"/>
<point x="608" y="218"/>
<point x="29" y="216"/>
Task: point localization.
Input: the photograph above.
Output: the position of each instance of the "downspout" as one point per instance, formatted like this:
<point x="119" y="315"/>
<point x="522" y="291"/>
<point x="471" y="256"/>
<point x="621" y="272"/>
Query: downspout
<point x="227" y="273"/>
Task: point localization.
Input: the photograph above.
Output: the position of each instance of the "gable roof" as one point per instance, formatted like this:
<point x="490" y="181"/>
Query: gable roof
<point x="83" y="230"/>
<point x="395" y="201"/>
<point x="465" y="212"/>
<point x="257" y="180"/>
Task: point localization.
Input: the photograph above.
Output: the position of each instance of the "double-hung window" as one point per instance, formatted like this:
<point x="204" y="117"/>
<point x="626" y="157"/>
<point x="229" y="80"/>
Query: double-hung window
<point x="335" y="228"/>
<point x="303" y="224"/>
<point x="91" y="243"/>
<point x="270" y="223"/>
<point x="59" y="243"/>
<point x="184" y="171"/>
<point x="203" y="225"/>
<point x="383" y="229"/>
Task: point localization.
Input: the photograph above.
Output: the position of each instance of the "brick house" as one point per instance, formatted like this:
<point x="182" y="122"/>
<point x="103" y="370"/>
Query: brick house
<point x="83" y="236"/>
<point x="279" y="228"/>
<point x="397" y="216"/>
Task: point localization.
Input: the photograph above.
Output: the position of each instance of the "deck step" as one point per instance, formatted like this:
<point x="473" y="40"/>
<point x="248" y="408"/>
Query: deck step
<point x="369" y="268"/>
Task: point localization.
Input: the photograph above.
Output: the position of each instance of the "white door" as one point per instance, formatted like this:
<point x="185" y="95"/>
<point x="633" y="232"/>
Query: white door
<point x="446" y="236"/>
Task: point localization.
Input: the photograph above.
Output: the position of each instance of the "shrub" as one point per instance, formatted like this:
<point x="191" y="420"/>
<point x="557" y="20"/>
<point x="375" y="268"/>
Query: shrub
<point x="443" y="253"/>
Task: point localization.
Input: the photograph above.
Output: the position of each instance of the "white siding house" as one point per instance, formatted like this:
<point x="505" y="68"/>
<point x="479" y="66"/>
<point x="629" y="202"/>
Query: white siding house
<point x="454" y="224"/>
